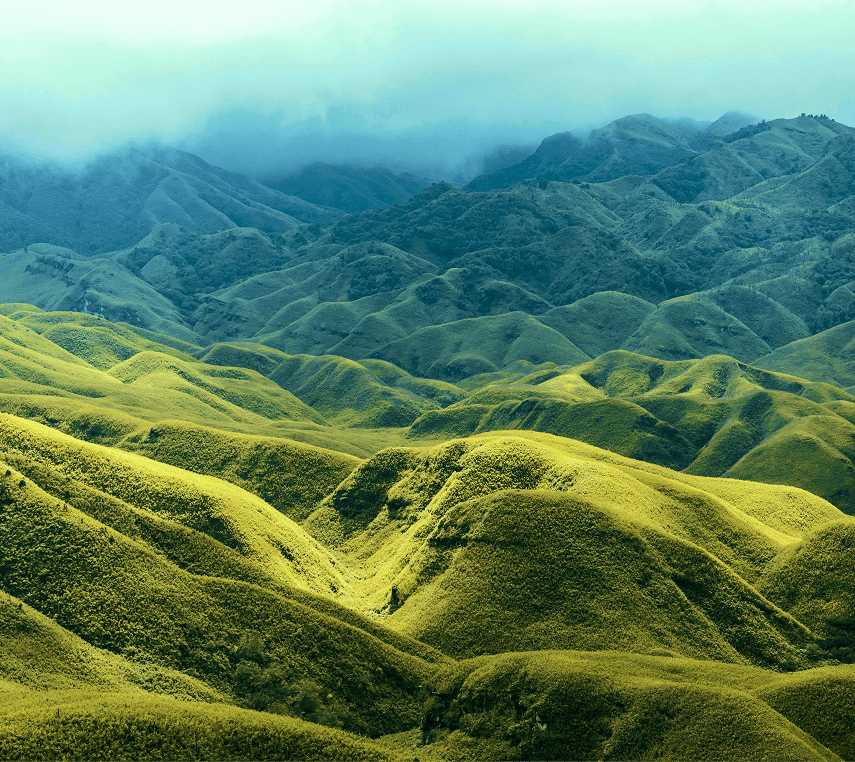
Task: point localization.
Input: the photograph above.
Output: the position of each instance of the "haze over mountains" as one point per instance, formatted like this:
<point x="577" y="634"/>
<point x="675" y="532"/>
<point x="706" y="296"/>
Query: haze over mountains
<point x="414" y="468"/>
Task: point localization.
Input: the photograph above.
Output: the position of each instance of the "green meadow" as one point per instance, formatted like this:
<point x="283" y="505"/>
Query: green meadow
<point x="556" y="465"/>
<point x="233" y="552"/>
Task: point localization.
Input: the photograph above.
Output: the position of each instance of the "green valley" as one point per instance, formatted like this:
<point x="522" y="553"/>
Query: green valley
<point x="558" y="464"/>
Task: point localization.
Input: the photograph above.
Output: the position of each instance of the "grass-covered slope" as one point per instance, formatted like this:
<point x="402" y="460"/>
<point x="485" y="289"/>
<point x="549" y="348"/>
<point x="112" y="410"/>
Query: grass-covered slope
<point x="190" y="573"/>
<point x="374" y="393"/>
<point x="291" y="476"/>
<point x="612" y="706"/>
<point x="85" y="724"/>
<point x="713" y="417"/>
<point x="557" y="544"/>
<point x="479" y="345"/>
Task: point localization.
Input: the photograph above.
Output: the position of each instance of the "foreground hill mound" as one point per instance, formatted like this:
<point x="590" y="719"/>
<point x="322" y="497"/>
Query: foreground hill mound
<point x="84" y="724"/>
<point x="144" y="583"/>
<point x="556" y="544"/>
<point x="191" y="573"/>
<point x="572" y="705"/>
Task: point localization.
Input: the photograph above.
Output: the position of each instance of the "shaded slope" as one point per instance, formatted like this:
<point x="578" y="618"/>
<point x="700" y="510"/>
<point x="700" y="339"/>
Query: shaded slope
<point x="572" y="705"/>
<point x="691" y="327"/>
<point x="118" y="197"/>
<point x="348" y="188"/>
<point x="96" y="725"/>
<point x="749" y="156"/>
<point x="57" y="279"/>
<point x="479" y="345"/>
<point x="826" y="356"/>
<point x="600" y="322"/>
<point x="814" y="580"/>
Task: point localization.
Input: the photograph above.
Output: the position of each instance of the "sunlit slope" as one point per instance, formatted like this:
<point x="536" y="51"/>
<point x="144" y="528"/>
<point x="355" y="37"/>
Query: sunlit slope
<point x="98" y="341"/>
<point x="228" y="390"/>
<point x="103" y="725"/>
<point x="373" y="393"/>
<point x="37" y="652"/>
<point x="156" y="380"/>
<point x="291" y="476"/>
<point x="713" y="417"/>
<point x="201" y="503"/>
<point x="572" y="705"/>
<point x="640" y="557"/>
<point x="40" y="380"/>
<point x="149" y="565"/>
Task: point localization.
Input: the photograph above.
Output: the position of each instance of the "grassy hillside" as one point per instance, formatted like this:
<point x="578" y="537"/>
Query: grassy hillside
<point x="560" y="545"/>
<point x="191" y="573"/>
<point x="85" y="724"/>
<point x="559" y="465"/>
<point x="576" y="705"/>
<point x="712" y="417"/>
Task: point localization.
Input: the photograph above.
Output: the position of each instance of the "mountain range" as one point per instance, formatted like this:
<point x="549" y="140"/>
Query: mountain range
<point x="557" y="464"/>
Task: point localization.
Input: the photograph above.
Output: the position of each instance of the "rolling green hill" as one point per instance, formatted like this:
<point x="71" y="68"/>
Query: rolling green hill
<point x="557" y="465"/>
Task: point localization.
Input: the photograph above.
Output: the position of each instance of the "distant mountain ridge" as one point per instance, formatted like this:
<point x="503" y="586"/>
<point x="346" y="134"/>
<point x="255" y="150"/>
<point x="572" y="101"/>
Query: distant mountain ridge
<point x="350" y="189"/>
<point x="118" y="198"/>
<point x="637" y="144"/>
<point x="744" y="275"/>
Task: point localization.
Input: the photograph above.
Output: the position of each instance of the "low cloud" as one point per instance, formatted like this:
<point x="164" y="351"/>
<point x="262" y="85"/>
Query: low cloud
<point x="433" y="87"/>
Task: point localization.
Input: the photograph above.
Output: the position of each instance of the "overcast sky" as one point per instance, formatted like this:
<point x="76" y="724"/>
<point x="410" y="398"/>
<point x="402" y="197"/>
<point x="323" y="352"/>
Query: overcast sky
<point x="256" y="84"/>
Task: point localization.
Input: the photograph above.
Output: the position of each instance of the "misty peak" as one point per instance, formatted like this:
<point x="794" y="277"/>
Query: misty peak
<point x="729" y="123"/>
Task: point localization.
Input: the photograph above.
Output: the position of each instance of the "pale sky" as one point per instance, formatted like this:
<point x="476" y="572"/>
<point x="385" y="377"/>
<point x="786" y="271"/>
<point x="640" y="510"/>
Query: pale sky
<point x="254" y="84"/>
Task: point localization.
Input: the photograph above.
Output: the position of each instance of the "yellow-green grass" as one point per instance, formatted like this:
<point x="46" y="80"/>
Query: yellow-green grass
<point x="813" y="452"/>
<point x="613" y="424"/>
<point x="150" y="385"/>
<point x="703" y="415"/>
<point x="15" y="310"/>
<point x="713" y="416"/>
<point x="219" y="388"/>
<point x="556" y="544"/>
<point x="38" y="653"/>
<point x="203" y="503"/>
<point x="291" y="476"/>
<point x="101" y="343"/>
<point x="815" y="580"/>
<point x="138" y="583"/>
<point x="821" y="702"/>
<point x="370" y="394"/>
<point x="618" y="706"/>
<point x="88" y="724"/>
